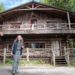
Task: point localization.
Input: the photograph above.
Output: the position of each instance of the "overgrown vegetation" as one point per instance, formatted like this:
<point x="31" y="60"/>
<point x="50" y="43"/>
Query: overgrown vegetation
<point x="72" y="43"/>
<point x="73" y="62"/>
<point x="24" y="62"/>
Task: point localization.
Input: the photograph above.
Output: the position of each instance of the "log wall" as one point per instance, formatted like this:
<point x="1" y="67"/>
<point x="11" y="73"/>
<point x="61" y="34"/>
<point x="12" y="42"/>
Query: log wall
<point x="40" y="19"/>
<point x="37" y="52"/>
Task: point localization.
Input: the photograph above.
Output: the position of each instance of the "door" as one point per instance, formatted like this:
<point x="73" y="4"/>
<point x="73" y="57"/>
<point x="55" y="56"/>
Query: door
<point x="55" y="46"/>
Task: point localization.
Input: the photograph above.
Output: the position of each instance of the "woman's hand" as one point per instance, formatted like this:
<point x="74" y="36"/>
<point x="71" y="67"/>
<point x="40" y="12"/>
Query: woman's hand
<point x="22" y="47"/>
<point x="11" y="53"/>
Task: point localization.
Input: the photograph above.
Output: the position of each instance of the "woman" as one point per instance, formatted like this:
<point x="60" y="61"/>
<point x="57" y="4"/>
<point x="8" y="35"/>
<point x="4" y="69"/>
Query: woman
<point x="17" y="48"/>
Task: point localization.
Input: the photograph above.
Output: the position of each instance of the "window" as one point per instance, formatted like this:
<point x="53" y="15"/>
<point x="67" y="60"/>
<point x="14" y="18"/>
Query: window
<point x="35" y="45"/>
<point x="33" y="21"/>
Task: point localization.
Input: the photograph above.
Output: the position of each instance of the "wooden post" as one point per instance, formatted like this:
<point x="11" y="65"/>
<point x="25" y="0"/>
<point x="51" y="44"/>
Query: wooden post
<point x="32" y="26"/>
<point x="33" y="5"/>
<point x="69" y="22"/>
<point x="27" y="54"/>
<point x="44" y="26"/>
<point x="4" y="56"/>
<point x="68" y="58"/>
<point x="68" y="54"/>
<point x="64" y="50"/>
<point x="53" y="58"/>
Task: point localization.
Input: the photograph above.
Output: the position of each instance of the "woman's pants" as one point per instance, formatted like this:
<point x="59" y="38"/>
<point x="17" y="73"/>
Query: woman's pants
<point x="16" y="58"/>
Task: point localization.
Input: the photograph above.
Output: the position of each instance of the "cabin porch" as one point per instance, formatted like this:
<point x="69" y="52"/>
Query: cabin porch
<point x="45" y="47"/>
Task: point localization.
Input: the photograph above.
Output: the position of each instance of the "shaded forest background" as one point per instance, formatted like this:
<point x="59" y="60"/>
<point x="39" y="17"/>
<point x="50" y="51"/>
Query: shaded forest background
<point x="63" y="4"/>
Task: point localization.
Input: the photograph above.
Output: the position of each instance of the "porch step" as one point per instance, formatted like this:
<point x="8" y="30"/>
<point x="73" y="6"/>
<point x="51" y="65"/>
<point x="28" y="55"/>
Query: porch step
<point x="60" y="60"/>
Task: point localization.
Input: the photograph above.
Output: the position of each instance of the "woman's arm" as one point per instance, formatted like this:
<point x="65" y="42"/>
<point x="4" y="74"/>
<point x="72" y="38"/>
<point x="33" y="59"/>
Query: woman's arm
<point x="22" y="46"/>
<point x="13" y="47"/>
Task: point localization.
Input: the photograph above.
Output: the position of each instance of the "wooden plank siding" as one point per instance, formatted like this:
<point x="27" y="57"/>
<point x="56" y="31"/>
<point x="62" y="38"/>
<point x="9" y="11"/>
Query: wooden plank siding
<point x="36" y="23"/>
<point x="39" y="52"/>
<point x="44" y="53"/>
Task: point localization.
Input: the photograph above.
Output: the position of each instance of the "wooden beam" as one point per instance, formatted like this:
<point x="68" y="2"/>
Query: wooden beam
<point x="37" y="9"/>
<point x="68" y="58"/>
<point x="41" y="6"/>
<point x="54" y="63"/>
<point x="69" y="22"/>
<point x="27" y="54"/>
<point x="28" y="7"/>
<point x="33" y="6"/>
<point x="4" y="56"/>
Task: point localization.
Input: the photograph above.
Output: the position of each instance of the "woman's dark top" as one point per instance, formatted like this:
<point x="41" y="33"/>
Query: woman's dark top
<point x="17" y="45"/>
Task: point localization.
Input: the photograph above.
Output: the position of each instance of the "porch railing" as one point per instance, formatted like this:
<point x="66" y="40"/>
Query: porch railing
<point x="42" y="52"/>
<point x="37" y="28"/>
<point x="28" y="52"/>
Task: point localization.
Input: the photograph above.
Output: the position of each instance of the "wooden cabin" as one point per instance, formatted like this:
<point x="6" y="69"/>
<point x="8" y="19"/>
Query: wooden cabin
<point x="46" y="31"/>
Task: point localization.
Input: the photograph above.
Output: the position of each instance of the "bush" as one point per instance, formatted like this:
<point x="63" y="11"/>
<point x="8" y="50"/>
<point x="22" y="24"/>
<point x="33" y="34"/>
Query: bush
<point x="24" y="62"/>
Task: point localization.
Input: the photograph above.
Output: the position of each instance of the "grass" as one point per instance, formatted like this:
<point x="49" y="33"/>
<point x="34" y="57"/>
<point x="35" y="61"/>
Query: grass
<point x="27" y="63"/>
<point x="73" y="62"/>
<point x="33" y="62"/>
<point x="9" y="61"/>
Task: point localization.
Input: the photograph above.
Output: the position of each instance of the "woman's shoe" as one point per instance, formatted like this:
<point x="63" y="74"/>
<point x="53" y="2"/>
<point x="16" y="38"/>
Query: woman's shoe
<point x="13" y="74"/>
<point x="16" y="72"/>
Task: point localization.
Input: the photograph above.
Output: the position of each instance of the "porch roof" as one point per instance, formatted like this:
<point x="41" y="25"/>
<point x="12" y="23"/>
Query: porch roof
<point x="35" y="6"/>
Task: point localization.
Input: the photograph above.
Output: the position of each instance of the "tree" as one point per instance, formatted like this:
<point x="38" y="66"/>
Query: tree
<point x="56" y="3"/>
<point x="71" y="5"/>
<point x="1" y="7"/>
<point x="64" y="4"/>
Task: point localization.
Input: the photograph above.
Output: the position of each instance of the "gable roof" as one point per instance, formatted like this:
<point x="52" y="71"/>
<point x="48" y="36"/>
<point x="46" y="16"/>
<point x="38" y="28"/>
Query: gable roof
<point x="40" y="7"/>
<point x="34" y="2"/>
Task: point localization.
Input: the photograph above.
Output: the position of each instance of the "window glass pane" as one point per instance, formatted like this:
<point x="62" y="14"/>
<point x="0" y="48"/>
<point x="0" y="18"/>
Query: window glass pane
<point x="35" y="45"/>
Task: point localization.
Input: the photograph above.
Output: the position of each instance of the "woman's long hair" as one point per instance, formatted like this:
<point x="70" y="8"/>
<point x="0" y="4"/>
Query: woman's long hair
<point x="20" y="39"/>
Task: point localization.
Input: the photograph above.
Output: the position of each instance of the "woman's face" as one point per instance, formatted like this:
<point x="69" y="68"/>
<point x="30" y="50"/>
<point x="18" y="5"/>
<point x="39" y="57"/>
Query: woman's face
<point x="19" y="37"/>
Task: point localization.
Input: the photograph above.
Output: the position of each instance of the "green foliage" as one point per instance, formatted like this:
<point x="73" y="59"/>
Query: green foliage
<point x="24" y="62"/>
<point x="1" y="7"/>
<point x="9" y="61"/>
<point x="71" y="5"/>
<point x="64" y="4"/>
<point x="72" y="43"/>
<point x="72" y="62"/>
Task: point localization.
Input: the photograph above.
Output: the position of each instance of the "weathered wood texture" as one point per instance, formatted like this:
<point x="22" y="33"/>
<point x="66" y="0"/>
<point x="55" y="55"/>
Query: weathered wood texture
<point x="36" y="52"/>
<point x="36" y="23"/>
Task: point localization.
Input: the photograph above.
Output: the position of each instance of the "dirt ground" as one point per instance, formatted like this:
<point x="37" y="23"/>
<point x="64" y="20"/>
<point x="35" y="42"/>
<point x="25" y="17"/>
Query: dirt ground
<point x="33" y="70"/>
